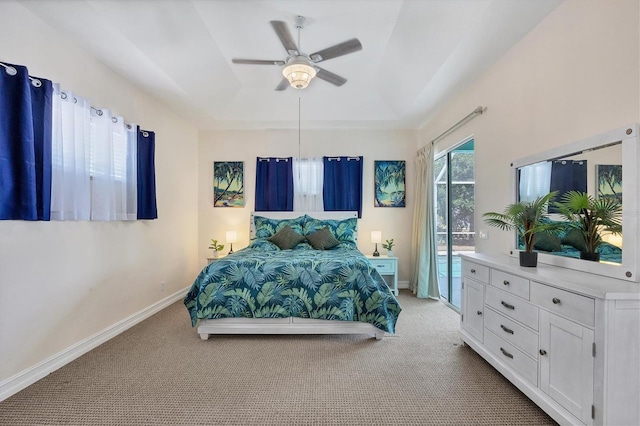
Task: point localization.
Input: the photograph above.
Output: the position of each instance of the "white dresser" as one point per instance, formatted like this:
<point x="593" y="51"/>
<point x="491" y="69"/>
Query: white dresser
<point x="568" y="340"/>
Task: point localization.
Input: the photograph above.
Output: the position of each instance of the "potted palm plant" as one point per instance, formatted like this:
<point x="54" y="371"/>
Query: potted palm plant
<point x="591" y="217"/>
<point x="525" y="217"/>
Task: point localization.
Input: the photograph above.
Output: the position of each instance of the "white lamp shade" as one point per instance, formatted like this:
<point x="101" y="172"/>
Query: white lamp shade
<point x="299" y="74"/>
<point x="232" y="236"/>
<point x="376" y="236"/>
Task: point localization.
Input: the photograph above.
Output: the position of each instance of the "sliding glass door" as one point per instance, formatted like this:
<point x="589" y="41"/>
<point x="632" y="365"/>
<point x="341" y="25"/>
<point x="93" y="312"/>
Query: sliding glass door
<point x="455" y="181"/>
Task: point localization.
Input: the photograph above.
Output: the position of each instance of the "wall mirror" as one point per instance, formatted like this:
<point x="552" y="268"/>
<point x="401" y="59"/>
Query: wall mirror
<point x="603" y="166"/>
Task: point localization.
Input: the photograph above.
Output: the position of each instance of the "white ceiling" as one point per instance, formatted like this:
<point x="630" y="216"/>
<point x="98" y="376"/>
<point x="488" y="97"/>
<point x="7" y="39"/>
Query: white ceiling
<point x="416" y="54"/>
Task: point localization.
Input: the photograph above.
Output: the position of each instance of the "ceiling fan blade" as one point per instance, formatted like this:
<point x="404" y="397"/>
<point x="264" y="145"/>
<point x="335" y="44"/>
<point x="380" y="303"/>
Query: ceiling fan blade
<point x="256" y="62"/>
<point x="340" y="49"/>
<point x="284" y="83"/>
<point x="285" y="37"/>
<point x="330" y="77"/>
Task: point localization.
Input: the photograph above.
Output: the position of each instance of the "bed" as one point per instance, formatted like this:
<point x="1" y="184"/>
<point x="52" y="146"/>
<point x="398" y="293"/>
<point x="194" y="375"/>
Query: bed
<point x="313" y="286"/>
<point x="569" y="243"/>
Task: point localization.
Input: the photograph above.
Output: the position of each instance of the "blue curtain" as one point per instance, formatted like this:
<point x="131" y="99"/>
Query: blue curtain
<point x="567" y="175"/>
<point x="147" y="208"/>
<point x="342" y="188"/>
<point x="25" y="145"/>
<point x="42" y="138"/>
<point x="274" y="184"/>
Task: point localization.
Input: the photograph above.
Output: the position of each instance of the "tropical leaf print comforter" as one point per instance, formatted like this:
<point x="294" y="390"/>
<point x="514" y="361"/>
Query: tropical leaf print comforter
<point x="266" y="282"/>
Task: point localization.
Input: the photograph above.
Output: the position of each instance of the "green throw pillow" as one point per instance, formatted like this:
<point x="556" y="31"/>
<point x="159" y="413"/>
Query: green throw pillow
<point x="574" y="239"/>
<point x="547" y="242"/>
<point x="322" y="239"/>
<point x="286" y="238"/>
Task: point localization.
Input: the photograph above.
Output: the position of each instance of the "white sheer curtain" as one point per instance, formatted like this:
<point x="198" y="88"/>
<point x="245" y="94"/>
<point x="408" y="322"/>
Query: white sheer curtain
<point x="424" y="254"/>
<point x="307" y="184"/>
<point x="124" y="169"/>
<point x="113" y="154"/>
<point x="535" y="181"/>
<point x="103" y="197"/>
<point x="70" y="180"/>
<point x="94" y="162"/>
<point x="131" y="175"/>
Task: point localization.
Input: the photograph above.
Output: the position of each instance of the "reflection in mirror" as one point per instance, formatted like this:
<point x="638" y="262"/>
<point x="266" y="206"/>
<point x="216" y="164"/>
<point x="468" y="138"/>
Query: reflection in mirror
<point x="604" y="165"/>
<point x="596" y="171"/>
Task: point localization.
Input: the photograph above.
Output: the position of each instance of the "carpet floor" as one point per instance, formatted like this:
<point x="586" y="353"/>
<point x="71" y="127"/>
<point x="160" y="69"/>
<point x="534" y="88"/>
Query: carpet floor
<point x="160" y="373"/>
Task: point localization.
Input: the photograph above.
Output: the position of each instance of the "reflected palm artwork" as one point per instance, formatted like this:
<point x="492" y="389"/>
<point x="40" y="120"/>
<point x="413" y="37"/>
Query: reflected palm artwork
<point x="228" y="184"/>
<point x="389" y="184"/>
<point x="609" y="179"/>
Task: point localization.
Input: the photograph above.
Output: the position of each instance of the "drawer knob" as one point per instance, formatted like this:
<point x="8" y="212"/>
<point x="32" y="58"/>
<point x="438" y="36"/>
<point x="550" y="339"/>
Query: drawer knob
<point x="506" y="305"/>
<point x="479" y="312"/>
<point x="506" y="330"/>
<point x="543" y="352"/>
<point x="473" y="271"/>
<point x="505" y="282"/>
<point x="505" y="353"/>
<point x="555" y="301"/>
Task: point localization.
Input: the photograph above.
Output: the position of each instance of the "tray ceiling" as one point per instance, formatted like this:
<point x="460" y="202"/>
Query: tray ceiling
<point x="416" y="55"/>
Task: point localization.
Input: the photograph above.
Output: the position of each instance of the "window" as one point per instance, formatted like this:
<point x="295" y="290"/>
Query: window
<point x="307" y="184"/>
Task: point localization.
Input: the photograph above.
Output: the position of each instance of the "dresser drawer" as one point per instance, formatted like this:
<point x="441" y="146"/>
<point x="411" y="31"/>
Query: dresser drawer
<point x="512" y="332"/>
<point x="384" y="266"/>
<point x="512" y="306"/>
<point x="510" y="283"/>
<point x="476" y="271"/>
<point x="512" y="356"/>
<point x="570" y="305"/>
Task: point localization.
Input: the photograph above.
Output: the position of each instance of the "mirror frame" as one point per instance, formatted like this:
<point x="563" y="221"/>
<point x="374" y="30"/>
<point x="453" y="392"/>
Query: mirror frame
<point x="628" y="136"/>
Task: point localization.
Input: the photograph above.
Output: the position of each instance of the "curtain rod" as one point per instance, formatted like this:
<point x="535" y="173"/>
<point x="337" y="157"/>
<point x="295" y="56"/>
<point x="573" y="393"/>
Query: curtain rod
<point x="37" y="83"/>
<point x="478" y="110"/>
<point x="12" y="71"/>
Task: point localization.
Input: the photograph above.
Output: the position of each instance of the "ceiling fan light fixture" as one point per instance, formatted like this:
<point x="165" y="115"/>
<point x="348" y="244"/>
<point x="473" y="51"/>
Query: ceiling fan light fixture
<point x="299" y="73"/>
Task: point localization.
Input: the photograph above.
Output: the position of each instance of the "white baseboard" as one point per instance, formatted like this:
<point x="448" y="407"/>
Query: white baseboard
<point x="403" y="284"/>
<point x="16" y="383"/>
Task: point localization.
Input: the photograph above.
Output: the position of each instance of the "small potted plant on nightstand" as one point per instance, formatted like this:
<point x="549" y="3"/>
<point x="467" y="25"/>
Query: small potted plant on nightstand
<point x="388" y="245"/>
<point x="217" y="248"/>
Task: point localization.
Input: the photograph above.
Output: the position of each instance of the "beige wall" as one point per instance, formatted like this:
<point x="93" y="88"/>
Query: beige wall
<point x="63" y="282"/>
<point x="573" y="76"/>
<point x="247" y="145"/>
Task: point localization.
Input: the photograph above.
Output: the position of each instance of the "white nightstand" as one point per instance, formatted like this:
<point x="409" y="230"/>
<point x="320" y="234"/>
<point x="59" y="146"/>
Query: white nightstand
<point x="210" y="260"/>
<point x="387" y="267"/>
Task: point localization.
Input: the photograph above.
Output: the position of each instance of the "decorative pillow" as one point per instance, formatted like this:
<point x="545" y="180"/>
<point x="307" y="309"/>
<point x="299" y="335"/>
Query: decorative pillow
<point x="322" y="239"/>
<point x="609" y="252"/>
<point x="547" y="242"/>
<point x="286" y="238"/>
<point x="342" y="230"/>
<point x="266" y="227"/>
<point x="574" y="239"/>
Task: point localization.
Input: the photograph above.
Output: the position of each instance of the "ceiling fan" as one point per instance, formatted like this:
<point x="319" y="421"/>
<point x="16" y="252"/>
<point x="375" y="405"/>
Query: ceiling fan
<point x="301" y="68"/>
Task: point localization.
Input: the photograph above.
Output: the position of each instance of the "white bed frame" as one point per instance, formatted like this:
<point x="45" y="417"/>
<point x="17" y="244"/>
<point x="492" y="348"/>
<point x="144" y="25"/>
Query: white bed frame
<point x="289" y="325"/>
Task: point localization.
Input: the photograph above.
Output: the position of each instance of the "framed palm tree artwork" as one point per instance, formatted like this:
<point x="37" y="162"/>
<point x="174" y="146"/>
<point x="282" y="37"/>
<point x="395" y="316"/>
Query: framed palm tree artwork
<point x="389" y="183"/>
<point x="609" y="180"/>
<point x="228" y="184"/>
